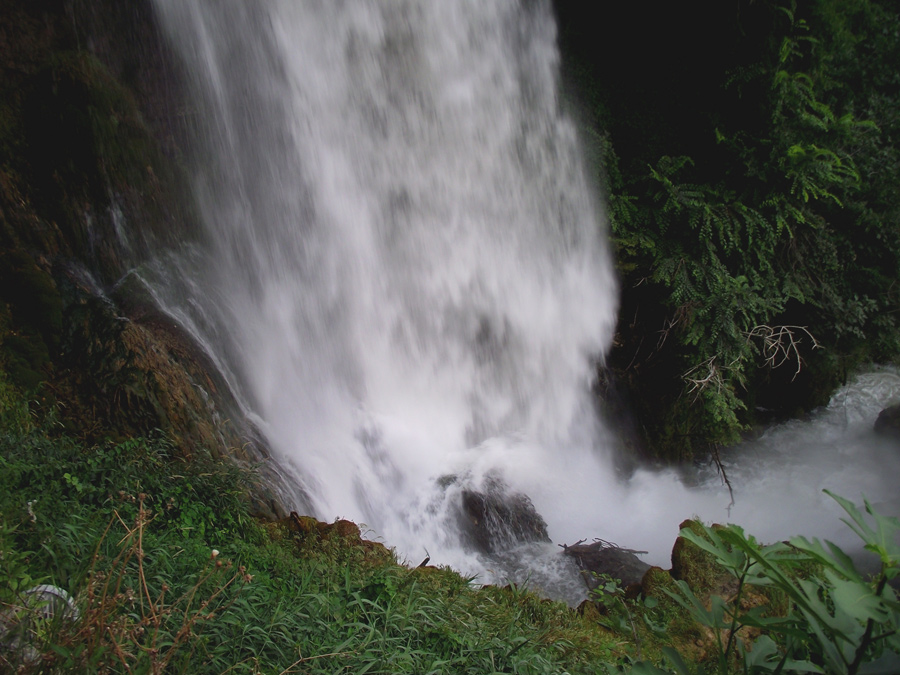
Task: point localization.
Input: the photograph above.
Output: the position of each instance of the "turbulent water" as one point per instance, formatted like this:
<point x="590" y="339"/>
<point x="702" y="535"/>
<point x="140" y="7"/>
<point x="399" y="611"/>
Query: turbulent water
<point x="780" y="477"/>
<point x="405" y="275"/>
<point x="406" y="269"/>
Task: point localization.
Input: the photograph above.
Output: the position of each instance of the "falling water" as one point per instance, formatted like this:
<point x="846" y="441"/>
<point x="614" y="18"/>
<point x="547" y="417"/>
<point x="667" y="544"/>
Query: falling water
<point x="406" y="270"/>
<point x="405" y="275"/>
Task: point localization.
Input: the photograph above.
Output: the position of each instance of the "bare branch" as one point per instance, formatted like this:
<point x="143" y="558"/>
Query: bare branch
<point x="721" y="469"/>
<point x="704" y="375"/>
<point x="780" y="344"/>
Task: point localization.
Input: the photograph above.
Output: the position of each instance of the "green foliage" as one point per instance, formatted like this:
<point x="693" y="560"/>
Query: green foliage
<point x="693" y="564"/>
<point x="202" y="498"/>
<point x="744" y="260"/>
<point x="15" y="571"/>
<point x="129" y="529"/>
<point x="14" y="414"/>
<point x="836" y="620"/>
<point x="624" y="615"/>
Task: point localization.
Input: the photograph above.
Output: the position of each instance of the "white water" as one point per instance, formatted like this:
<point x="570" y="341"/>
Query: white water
<point x="406" y="270"/>
<point x="406" y="275"/>
<point x="778" y="481"/>
<point x="780" y="477"/>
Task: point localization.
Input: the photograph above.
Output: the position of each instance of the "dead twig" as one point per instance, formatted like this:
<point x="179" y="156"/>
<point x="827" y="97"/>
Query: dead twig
<point x="704" y="375"/>
<point x="781" y="344"/>
<point x="721" y="470"/>
<point x="290" y="668"/>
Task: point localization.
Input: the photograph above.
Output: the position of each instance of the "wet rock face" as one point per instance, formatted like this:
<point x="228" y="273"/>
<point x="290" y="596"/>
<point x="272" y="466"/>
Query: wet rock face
<point x="493" y="519"/>
<point x="888" y="422"/>
<point x="603" y="558"/>
<point x="92" y="185"/>
<point x="89" y="189"/>
<point x="137" y="377"/>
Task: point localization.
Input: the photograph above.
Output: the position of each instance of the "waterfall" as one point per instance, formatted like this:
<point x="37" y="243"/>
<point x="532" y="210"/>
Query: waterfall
<point x="405" y="268"/>
<point x="406" y="281"/>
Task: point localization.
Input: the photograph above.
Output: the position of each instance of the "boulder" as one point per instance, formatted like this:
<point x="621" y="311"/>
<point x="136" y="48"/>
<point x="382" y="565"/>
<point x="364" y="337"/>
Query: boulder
<point x="26" y="620"/>
<point x="309" y="533"/>
<point x="604" y="558"/>
<point x="698" y="568"/>
<point x="888" y="422"/>
<point x="493" y="518"/>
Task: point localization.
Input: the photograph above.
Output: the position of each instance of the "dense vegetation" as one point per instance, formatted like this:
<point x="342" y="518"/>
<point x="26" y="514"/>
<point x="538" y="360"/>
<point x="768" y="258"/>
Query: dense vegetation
<point x="750" y="153"/>
<point x="765" y="145"/>
<point x="168" y="572"/>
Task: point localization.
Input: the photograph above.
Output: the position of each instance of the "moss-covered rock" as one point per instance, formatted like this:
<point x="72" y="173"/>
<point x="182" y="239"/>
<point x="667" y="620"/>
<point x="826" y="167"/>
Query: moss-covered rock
<point x="341" y="538"/>
<point x="657" y="583"/>
<point x="695" y="566"/>
<point x="90" y="188"/>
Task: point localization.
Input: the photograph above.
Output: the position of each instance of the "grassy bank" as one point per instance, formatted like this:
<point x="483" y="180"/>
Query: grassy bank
<point x="167" y="571"/>
<point x="170" y="573"/>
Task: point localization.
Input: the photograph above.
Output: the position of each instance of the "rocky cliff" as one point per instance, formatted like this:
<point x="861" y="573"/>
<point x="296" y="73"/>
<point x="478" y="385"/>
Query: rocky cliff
<point x="92" y="184"/>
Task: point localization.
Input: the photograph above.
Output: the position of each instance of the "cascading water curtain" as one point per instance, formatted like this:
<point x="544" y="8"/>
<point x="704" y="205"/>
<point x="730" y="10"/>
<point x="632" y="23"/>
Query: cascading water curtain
<point x="405" y="277"/>
<point x="405" y="267"/>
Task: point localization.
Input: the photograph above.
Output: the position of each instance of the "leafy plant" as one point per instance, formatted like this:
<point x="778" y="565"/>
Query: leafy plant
<point x="620" y="614"/>
<point x="776" y="240"/>
<point x="837" y="619"/>
<point x="129" y="621"/>
<point x="127" y="528"/>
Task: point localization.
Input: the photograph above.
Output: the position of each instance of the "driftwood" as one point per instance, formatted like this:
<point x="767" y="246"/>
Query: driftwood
<point x="605" y="558"/>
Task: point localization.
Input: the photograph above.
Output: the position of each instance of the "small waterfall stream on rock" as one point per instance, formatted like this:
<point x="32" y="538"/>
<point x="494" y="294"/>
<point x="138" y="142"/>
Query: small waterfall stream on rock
<point x="405" y="275"/>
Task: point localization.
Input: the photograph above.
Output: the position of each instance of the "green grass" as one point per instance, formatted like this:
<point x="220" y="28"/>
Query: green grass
<point x="129" y="530"/>
<point x="171" y="574"/>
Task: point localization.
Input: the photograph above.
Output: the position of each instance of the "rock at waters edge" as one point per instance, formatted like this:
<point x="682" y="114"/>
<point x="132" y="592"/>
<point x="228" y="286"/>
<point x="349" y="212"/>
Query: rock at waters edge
<point x="888" y="422"/>
<point x="603" y="558"/>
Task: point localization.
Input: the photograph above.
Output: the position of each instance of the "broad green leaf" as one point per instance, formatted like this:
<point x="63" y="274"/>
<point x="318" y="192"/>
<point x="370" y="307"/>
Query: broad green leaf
<point x="713" y="617"/>
<point x="839" y="622"/>
<point x="834" y="659"/>
<point x="677" y="662"/>
<point x="712" y="543"/>
<point x="718" y="610"/>
<point x="755" y="618"/>
<point x="889" y="598"/>
<point x="858" y="524"/>
<point x="792" y="666"/>
<point x="856" y="599"/>
<point x="833" y="557"/>
<point x="892" y="641"/>
<point x="761" y="653"/>
<point x="888" y="527"/>
<point x="883" y="539"/>
<point x="655" y="628"/>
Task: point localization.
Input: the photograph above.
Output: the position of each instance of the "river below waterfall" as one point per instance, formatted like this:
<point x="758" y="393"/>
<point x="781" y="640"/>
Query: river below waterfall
<point x="777" y="483"/>
<point x="405" y="279"/>
<point x="779" y="477"/>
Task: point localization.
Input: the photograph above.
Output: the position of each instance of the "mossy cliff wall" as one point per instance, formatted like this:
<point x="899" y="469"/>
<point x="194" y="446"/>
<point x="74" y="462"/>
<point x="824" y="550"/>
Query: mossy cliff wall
<point x="92" y="182"/>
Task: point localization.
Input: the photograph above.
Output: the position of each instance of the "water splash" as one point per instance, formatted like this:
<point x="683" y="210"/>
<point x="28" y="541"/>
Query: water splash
<point x="406" y="281"/>
<point x="406" y="270"/>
